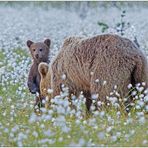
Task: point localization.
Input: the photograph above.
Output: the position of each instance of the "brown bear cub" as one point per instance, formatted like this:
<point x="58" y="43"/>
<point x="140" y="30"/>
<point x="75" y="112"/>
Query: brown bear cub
<point x="95" y="66"/>
<point x="39" y="52"/>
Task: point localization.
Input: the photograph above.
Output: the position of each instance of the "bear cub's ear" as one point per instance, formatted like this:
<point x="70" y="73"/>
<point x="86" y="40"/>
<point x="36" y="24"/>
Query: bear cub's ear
<point x="29" y="43"/>
<point x="47" y="42"/>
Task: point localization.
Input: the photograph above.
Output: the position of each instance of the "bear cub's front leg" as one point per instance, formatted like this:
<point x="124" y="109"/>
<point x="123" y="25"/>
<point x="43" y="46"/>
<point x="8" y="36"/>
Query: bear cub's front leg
<point x="33" y="81"/>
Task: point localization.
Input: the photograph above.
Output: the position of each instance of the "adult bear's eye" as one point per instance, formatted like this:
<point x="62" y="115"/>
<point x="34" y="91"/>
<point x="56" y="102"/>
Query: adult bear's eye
<point x="41" y="49"/>
<point x="33" y="49"/>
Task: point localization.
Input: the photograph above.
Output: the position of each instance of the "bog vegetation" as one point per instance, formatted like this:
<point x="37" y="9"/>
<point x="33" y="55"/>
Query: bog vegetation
<point x="61" y="125"/>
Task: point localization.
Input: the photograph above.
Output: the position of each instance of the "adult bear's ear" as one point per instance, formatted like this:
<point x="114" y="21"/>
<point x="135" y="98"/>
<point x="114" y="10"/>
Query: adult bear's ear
<point x="47" y="42"/>
<point x="43" y="69"/>
<point x="29" y="43"/>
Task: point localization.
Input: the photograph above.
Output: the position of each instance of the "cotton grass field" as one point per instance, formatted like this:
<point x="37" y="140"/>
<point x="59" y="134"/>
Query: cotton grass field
<point x="61" y="125"/>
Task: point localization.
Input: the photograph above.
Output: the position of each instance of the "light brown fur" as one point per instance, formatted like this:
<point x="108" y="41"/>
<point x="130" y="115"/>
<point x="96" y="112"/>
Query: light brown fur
<point x="45" y="78"/>
<point x="111" y="58"/>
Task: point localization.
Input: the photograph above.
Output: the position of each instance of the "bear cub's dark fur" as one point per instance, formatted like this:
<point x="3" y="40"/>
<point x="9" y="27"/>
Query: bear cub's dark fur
<point x="39" y="52"/>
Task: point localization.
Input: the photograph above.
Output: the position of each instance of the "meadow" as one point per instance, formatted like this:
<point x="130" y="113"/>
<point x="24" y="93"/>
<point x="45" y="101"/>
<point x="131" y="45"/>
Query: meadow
<point x="61" y="125"/>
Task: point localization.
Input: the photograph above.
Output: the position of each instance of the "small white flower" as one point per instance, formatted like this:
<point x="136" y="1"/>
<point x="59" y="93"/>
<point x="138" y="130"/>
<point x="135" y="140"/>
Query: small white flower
<point x="129" y="86"/>
<point x="97" y="80"/>
<point x="42" y="126"/>
<point x="108" y="104"/>
<point x="43" y="101"/>
<point x="113" y="100"/>
<point x="114" y="138"/>
<point x="37" y="110"/>
<point x="48" y="132"/>
<point x="146" y="92"/>
<point x="12" y="106"/>
<point x="43" y="110"/>
<point x="4" y="114"/>
<point x="91" y="73"/>
<point x="101" y="135"/>
<point x="95" y="96"/>
<point x="141" y="95"/>
<point x="109" y="129"/>
<point x="78" y="121"/>
<point x="142" y="120"/>
<point x="104" y="83"/>
<point x="145" y="142"/>
<point x="9" y="99"/>
<point x="111" y="93"/>
<point x="63" y="77"/>
<point x="115" y="87"/>
<point x="47" y="99"/>
<point x="60" y="139"/>
<point x="125" y="99"/>
<point x="146" y="108"/>
<point x="73" y="97"/>
<point x="37" y="94"/>
<point x="134" y="93"/>
<point x="35" y="107"/>
<point x="141" y="103"/>
<point x="96" y="113"/>
<point x="143" y="83"/>
<point x="92" y="107"/>
<point x="118" y="134"/>
<point x="20" y="88"/>
<point x="102" y="113"/>
<point x="117" y="94"/>
<point x="50" y="91"/>
<point x="99" y="103"/>
<point x="136" y="97"/>
<point x="118" y="113"/>
<point x="140" y="89"/>
<point x="81" y="142"/>
<point x="84" y="122"/>
<point x="137" y="85"/>
<point x="138" y="107"/>
<point x="93" y="101"/>
<point x="35" y="134"/>
<point x="62" y="85"/>
<point x="65" y="129"/>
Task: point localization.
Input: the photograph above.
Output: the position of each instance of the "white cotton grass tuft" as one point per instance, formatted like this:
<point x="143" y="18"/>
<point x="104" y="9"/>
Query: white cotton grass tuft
<point x="91" y="73"/>
<point x="134" y="93"/>
<point x="37" y="94"/>
<point x="101" y="135"/>
<point x="50" y="91"/>
<point x="63" y="77"/>
<point x="129" y="86"/>
<point x="95" y="96"/>
<point x="115" y="86"/>
<point x="97" y="80"/>
<point x="104" y="83"/>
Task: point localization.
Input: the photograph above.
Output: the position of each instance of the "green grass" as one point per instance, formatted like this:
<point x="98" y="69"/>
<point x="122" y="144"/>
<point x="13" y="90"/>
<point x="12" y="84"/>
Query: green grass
<point x="22" y="115"/>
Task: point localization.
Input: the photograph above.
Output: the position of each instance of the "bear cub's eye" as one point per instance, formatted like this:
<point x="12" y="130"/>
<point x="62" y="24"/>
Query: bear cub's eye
<point x="33" y="49"/>
<point x="41" y="49"/>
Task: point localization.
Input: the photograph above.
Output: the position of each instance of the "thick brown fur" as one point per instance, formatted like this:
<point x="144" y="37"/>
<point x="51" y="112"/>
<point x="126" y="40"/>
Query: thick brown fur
<point x="40" y="53"/>
<point x="45" y="84"/>
<point x="109" y="58"/>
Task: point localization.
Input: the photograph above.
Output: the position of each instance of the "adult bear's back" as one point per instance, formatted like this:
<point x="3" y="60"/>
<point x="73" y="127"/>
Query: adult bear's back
<point x="109" y="58"/>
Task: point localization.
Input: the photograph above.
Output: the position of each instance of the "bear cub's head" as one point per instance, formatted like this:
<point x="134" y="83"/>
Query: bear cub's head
<point x="39" y="50"/>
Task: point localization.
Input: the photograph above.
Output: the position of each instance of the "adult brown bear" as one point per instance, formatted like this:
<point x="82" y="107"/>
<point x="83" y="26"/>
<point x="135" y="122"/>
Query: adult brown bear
<point x="95" y="66"/>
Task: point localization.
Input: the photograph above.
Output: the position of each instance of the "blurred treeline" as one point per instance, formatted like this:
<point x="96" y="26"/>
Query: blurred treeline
<point x="76" y="4"/>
